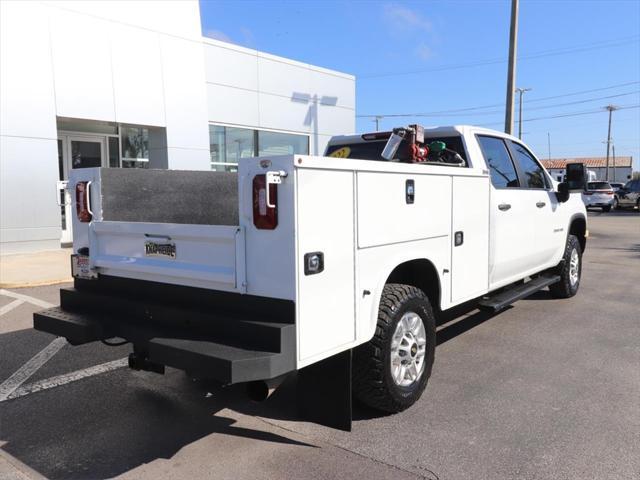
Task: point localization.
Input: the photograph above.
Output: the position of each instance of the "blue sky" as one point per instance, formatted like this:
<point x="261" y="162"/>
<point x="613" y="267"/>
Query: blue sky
<point x="445" y="57"/>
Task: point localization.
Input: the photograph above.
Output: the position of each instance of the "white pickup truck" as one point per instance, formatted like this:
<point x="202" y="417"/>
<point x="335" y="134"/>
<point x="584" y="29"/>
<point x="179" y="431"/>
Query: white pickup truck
<point x="336" y="267"/>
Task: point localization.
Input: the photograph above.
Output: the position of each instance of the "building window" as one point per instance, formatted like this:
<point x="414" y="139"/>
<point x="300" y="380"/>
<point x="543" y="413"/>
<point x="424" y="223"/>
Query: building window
<point x="229" y="144"/>
<point x="114" y="152"/>
<point x="135" y="147"/>
<point x="274" y="143"/>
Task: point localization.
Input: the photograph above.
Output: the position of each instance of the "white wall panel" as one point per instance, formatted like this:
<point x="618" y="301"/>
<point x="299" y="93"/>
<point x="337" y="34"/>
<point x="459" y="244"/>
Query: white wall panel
<point x="335" y="120"/>
<point x="283" y="113"/>
<point x="342" y="88"/>
<point x="189" y="158"/>
<point x="177" y="17"/>
<point x="137" y="76"/>
<point x="27" y="106"/>
<point x="81" y="66"/>
<point x="230" y="66"/>
<point x="28" y="173"/>
<point x="281" y="78"/>
<point x="185" y="96"/>
<point x="232" y="105"/>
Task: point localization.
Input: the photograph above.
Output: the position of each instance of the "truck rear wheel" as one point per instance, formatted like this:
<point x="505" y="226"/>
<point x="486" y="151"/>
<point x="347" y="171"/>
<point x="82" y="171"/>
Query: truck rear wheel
<point x="391" y="371"/>
<point x="570" y="270"/>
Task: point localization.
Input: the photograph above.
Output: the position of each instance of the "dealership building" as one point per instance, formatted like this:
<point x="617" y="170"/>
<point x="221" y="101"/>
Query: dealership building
<point x="136" y="85"/>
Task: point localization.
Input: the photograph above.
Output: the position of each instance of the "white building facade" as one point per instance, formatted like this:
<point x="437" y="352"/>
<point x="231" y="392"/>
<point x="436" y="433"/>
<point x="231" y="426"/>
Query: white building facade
<point x="135" y="85"/>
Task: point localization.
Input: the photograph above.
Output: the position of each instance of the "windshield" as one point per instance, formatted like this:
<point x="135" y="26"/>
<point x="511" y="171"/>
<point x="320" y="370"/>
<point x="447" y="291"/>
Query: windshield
<point x="372" y="150"/>
<point x="598" y="186"/>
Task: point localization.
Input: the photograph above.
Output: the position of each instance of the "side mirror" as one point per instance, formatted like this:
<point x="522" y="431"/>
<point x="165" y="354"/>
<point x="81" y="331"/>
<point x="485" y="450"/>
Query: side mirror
<point x="576" y="178"/>
<point x="392" y="146"/>
<point x="563" y="192"/>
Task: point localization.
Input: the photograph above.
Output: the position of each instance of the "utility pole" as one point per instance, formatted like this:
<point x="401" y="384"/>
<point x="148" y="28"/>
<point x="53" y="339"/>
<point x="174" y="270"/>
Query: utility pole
<point x="549" y="146"/>
<point x="511" y="72"/>
<point x="613" y="149"/>
<point x="521" y="92"/>
<point x="377" y="119"/>
<point x="610" y="108"/>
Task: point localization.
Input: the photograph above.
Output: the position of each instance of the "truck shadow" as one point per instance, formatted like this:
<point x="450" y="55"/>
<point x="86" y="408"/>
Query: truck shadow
<point x="104" y="427"/>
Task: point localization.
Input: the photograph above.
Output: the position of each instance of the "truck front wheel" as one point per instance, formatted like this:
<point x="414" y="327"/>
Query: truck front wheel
<point x="570" y="270"/>
<point x="391" y="371"/>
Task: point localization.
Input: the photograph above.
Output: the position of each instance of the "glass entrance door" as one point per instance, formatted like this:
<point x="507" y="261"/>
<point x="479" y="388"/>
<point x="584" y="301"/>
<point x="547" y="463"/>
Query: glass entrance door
<point x="76" y="151"/>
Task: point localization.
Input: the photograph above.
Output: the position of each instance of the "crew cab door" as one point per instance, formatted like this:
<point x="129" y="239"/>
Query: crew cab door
<point x="542" y="203"/>
<point x="512" y="230"/>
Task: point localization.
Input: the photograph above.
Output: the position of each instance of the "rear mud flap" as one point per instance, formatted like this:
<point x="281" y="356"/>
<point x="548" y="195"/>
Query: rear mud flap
<point x="324" y="392"/>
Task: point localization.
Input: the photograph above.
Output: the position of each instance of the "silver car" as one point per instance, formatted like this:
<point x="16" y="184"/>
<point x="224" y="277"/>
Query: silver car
<point x="598" y="194"/>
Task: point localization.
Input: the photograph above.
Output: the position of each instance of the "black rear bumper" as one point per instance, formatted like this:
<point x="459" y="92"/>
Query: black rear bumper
<point x="171" y="326"/>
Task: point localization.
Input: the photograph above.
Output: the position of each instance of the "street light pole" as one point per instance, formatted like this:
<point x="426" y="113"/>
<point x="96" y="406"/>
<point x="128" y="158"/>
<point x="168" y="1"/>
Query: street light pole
<point x="610" y="108"/>
<point x="511" y="72"/>
<point x="521" y="92"/>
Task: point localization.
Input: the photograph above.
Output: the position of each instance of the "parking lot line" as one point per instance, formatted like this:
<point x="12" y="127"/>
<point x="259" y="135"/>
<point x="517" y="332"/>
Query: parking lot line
<point x="10" y="306"/>
<point x="23" y="373"/>
<point x="26" y="298"/>
<point x="60" y="380"/>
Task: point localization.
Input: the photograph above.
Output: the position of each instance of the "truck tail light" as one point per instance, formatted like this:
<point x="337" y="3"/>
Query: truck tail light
<point x="83" y="209"/>
<point x="265" y="207"/>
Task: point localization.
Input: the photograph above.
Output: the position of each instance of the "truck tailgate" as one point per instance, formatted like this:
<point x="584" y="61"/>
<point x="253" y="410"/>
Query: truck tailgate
<point x="209" y="256"/>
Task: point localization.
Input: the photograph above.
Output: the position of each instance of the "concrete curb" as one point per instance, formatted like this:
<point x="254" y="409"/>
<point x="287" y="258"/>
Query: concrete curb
<point x="42" y="283"/>
<point x="15" y="469"/>
<point x="35" y="269"/>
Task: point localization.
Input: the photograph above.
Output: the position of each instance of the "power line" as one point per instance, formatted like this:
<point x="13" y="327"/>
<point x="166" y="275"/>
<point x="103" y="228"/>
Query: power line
<point x="571" y="114"/>
<point x="494" y="112"/>
<point x="542" y="54"/>
<point x="569" y="94"/>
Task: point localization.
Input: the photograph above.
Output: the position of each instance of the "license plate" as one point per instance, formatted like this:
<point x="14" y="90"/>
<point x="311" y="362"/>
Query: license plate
<point x="80" y="267"/>
<point x="165" y="250"/>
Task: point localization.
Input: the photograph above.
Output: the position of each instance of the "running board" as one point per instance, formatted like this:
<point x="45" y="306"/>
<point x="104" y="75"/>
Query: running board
<point x="504" y="298"/>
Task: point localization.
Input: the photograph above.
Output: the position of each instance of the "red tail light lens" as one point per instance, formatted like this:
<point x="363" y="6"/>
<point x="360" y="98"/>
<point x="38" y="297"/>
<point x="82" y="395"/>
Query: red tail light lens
<point x="83" y="210"/>
<point x="265" y="217"/>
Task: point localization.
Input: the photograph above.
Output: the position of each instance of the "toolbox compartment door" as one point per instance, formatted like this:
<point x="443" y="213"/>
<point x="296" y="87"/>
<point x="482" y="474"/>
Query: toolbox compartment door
<point x="470" y="224"/>
<point x="326" y="300"/>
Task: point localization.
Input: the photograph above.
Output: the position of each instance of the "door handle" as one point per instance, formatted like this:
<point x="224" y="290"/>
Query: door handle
<point x="540" y="204"/>
<point x="504" y="207"/>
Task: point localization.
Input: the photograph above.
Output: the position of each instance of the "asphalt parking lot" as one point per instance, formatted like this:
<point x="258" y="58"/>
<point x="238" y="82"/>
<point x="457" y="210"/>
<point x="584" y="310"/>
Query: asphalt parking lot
<point x="548" y="389"/>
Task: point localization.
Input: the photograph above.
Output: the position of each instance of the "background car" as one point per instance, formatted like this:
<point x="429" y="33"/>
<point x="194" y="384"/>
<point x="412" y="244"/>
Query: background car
<point x="599" y="194"/>
<point x="616" y="186"/>
<point x="628" y="196"/>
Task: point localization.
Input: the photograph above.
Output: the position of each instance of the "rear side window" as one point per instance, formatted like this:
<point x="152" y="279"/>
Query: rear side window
<point x="534" y="176"/>
<point x="372" y="149"/>
<point x="598" y="186"/>
<point x="503" y="173"/>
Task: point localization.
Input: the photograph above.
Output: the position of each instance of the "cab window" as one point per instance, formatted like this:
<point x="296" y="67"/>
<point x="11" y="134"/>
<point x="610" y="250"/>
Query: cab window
<point x="532" y="171"/>
<point x="496" y="155"/>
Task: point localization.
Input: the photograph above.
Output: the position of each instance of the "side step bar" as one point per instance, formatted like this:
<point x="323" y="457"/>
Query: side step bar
<point x="504" y="298"/>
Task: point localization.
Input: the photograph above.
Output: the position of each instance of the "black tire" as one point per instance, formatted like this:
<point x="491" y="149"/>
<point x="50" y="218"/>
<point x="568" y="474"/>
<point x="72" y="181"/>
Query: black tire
<point x="616" y="203"/>
<point x="373" y="383"/>
<point x="566" y="287"/>
<point x="607" y="208"/>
